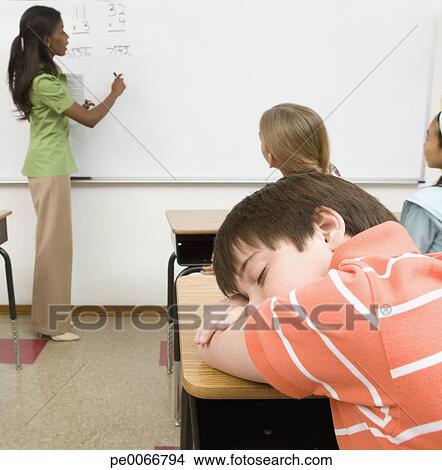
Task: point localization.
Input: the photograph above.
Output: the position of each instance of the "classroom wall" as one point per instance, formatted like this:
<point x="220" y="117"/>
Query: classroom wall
<point x="121" y="236"/>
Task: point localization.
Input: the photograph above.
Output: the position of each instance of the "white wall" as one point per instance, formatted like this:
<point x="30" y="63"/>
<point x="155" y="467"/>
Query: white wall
<point x="121" y="236"/>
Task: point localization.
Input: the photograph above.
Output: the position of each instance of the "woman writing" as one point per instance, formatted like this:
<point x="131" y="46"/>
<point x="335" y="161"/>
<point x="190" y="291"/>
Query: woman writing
<point x="40" y="93"/>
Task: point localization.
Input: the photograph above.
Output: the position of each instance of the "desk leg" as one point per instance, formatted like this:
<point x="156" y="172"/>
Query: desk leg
<point x="176" y="341"/>
<point x="193" y="405"/>
<point x="170" y="297"/>
<point x="186" y="439"/>
<point x="189" y="437"/>
<point x="177" y="392"/>
<point x="12" y="307"/>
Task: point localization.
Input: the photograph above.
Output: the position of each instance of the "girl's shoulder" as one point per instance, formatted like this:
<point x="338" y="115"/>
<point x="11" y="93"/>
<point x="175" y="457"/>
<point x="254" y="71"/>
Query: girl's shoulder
<point x="429" y="193"/>
<point x="429" y="199"/>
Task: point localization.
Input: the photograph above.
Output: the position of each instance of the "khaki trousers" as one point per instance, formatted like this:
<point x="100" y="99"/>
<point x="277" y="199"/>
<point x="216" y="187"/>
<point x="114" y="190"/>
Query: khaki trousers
<point x="53" y="253"/>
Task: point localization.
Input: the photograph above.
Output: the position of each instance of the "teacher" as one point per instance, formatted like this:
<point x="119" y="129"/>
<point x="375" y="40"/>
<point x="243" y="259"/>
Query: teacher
<point x="40" y="93"/>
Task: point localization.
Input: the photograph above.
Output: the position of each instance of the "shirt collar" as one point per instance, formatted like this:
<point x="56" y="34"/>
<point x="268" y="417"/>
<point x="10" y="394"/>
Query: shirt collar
<point x="387" y="239"/>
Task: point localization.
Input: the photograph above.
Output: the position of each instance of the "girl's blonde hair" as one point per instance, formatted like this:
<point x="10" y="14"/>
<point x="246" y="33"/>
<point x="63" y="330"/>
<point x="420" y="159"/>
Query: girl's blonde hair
<point x="296" y="137"/>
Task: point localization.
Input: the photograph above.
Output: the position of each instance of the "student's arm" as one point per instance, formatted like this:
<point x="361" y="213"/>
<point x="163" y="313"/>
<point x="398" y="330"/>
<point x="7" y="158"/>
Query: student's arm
<point x="90" y="118"/>
<point x="419" y="225"/>
<point x="216" y="319"/>
<point x="227" y="351"/>
<point x="240" y="353"/>
<point x="276" y="347"/>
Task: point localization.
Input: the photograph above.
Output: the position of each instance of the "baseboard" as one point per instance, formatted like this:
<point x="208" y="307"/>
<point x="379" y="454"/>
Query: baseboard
<point x="102" y="310"/>
<point x="21" y="310"/>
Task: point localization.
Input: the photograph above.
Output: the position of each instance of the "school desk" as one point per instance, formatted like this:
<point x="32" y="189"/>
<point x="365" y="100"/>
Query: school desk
<point x="10" y="286"/>
<point x="222" y="411"/>
<point x="193" y="232"/>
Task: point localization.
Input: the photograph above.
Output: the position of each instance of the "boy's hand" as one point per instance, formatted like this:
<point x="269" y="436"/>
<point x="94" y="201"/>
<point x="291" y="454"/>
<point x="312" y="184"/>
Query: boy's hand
<point x="203" y="336"/>
<point x="208" y="270"/>
<point x="221" y="319"/>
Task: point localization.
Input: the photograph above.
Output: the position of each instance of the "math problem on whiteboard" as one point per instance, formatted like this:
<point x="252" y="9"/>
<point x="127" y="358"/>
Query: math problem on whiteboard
<point x="114" y="19"/>
<point x="81" y="23"/>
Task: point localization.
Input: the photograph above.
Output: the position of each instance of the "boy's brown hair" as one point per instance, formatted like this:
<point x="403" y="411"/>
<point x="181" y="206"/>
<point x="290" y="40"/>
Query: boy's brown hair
<point x="287" y="210"/>
<point x="296" y="137"/>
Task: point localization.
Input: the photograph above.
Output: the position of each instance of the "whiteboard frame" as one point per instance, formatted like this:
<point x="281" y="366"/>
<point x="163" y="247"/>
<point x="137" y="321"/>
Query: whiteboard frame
<point x="199" y="181"/>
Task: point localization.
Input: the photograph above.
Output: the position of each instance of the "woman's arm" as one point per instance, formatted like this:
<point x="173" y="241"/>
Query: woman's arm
<point x="90" y="118"/>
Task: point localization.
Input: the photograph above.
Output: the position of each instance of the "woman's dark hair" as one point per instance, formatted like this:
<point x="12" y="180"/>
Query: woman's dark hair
<point x="30" y="56"/>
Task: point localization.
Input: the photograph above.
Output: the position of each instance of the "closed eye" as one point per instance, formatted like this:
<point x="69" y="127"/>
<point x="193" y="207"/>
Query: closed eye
<point x="261" y="277"/>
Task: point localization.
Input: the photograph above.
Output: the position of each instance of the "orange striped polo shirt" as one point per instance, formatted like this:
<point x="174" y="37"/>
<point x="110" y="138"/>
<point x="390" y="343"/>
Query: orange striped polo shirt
<point x="368" y="336"/>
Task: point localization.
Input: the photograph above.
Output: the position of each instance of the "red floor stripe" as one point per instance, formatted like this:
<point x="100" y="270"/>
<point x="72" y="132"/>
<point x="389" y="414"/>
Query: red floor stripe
<point x="163" y="353"/>
<point x="30" y="349"/>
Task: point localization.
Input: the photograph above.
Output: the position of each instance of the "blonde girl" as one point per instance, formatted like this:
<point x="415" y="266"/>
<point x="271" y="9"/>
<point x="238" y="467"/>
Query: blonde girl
<point x="294" y="140"/>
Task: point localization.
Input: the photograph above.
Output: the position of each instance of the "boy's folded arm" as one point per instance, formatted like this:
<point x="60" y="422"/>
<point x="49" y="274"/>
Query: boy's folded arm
<point x="235" y="310"/>
<point x="227" y="351"/>
<point x="231" y="351"/>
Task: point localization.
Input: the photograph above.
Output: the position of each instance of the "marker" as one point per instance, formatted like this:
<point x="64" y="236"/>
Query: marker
<point x="81" y="178"/>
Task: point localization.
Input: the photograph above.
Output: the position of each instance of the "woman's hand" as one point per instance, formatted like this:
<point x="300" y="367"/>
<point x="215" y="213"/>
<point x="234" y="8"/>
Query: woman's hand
<point x="118" y="86"/>
<point x="88" y="104"/>
<point x="91" y="117"/>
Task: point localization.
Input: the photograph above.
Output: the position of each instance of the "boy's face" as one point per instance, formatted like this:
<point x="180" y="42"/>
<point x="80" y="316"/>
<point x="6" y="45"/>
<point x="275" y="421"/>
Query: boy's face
<point x="265" y="272"/>
<point x="432" y="150"/>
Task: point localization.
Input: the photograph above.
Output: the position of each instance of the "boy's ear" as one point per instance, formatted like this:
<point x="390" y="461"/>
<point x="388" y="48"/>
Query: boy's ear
<point x="331" y="226"/>
<point x="271" y="160"/>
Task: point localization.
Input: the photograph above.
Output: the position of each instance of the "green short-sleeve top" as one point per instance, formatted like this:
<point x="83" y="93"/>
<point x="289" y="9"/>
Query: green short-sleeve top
<point x="49" y="152"/>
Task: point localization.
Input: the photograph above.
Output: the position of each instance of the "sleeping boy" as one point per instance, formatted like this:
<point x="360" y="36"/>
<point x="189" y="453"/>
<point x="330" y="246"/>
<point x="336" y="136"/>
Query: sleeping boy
<point x="341" y="304"/>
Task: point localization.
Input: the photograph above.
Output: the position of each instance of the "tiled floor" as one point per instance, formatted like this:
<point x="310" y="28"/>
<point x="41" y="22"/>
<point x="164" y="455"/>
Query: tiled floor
<point x="107" y="391"/>
<point x="30" y="349"/>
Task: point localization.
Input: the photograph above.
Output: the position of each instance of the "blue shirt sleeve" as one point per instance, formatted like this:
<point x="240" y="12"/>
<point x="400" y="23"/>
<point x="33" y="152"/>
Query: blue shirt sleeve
<point x="419" y="225"/>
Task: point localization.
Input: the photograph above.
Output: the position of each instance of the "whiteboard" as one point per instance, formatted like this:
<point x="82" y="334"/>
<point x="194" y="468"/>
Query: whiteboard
<point x="200" y="73"/>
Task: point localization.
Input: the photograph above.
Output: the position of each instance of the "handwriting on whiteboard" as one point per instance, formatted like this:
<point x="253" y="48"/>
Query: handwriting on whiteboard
<point x="116" y="17"/>
<point x="81" y="23"/>
<point x="79" y="52"/>
<point x="115" y="21"/>
<point x="118" y="50"/>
